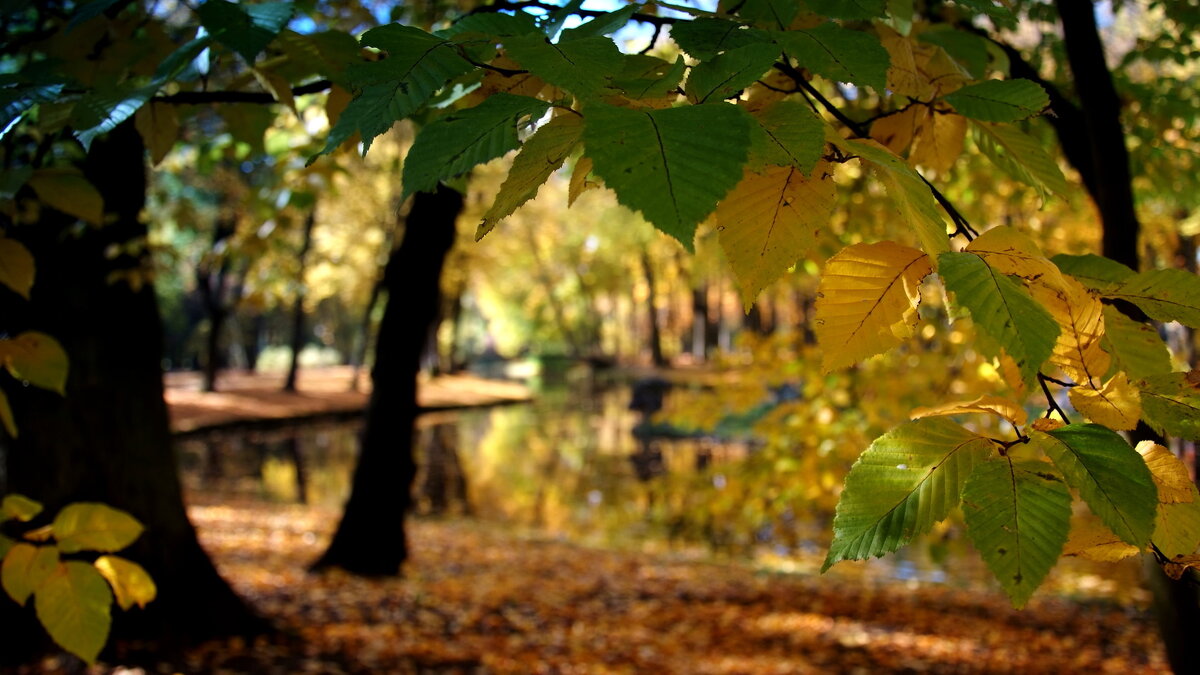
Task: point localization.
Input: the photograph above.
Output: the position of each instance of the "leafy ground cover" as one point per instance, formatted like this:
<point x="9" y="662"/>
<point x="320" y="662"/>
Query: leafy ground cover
<point x="476" y="599"/>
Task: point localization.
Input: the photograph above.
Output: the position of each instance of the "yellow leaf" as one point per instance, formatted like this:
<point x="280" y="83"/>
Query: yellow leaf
<point x="939" y="141"/>
<point x="1011" y="373"/>
<point x="867" y="301"/>
<point x="16" y="266"/>
<point x="36" y="358"/>
<point x="159" y="126"/>
<point x="1176" y="567"/>
<point x="130" y="582"/>
<point x="896" y="131"/>
<point x="541" y="155"/>
<point x="68" y="191"/>
<point x="1047" y="424"/>
<point x="904" y="77"/>
<point x="1116" y="405"/>
<point x="1177" y="527"/>
<point x="94" y="527"/>
<point x="520" y="84"/>
<point x="579" y="182"/>
<point x="994" y="405"/>
<point x="1091" y="539"/>
<point x="278" y="86"/>
<point x="26" y="568"/>
<point x="770" y="220"/>
<point x="19" y="507"/>
<point x="1170" y="474"/>
<point x="1009" y="251"/>
<point x="74" y="606"/>
<point x="943" y="73"/>
<point x="336" y="103"/>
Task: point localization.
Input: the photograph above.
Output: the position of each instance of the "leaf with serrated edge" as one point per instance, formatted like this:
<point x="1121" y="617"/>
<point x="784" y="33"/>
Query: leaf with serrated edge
<point x="1171" y="476"/>
<point x="16" y="266"/>
<point x="729" y="73"/>
<point x="867" y="301"/>
<point x="581" y="66"/>
<point x="130" y="582"/>
<point x="1018" y="516"/>
<point x="91" y="526"/>
<point x="1110" y="476"/>
<point x="839" y="54"/>
<point x="1164" y="294"/>
<point x="909" y="479"/>
<point x="74" y="606"/>
<point x="1096" y="272"/>
<point x="993" y="405"/>
<point x="26" y="568"/>
<point x="1136" y="348"/>
<point x="770" y="221"/>
<point x="1116" y="404"/>
<point x="999" y="100"/>
<point x="1020" y="156"/>
<point x="1171" y="403"/>
<point x="788" y="133"/>
<point x="539" y="157"/>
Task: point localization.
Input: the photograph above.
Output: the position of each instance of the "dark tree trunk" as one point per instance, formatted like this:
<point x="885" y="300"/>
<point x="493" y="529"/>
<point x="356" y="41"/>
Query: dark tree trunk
<point x="298" y="334"/>
<point x="700" y="323"/>
<point x="1177" y="603"/>
<point x="370" y="538"/>
<point x="212" y="284"/>
<point x="656" y="352"/>
<point x="108" y="439"/>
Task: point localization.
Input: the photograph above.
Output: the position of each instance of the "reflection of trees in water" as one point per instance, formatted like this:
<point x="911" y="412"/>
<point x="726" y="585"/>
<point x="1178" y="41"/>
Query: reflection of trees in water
<point x="441" y="484"/>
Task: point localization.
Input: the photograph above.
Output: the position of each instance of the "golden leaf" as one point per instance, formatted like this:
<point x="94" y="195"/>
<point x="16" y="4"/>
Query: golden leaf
<point x="130" y="582"/>
<point x="867" y="301"/>
<point x="1170" y="474"/>
<point x="579" y="181"/>
<point x="994" y="405"/>
<point x="1009" y="251"/>
<point x="896" y="131"/>
<point x="159" y="127"/>
<point x="1091" y="539"/>
<point x="1047" y="424"/>
<point x="904" y="76"/>
<point x="1011" y="373"/>
<point x="1116" y="405"/>
<point x="770" y="220"/>
<point x="939" y="141"/>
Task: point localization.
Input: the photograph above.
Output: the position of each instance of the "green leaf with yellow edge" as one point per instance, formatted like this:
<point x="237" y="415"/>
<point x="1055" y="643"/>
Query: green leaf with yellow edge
<point x="729" y="73"/>
<point x="68" y="191"/>
<point x="1164" y="294"/>
<point x="582" y="67"/>
<point x="770" y="221"/>
<point x="159" y="127"/>
<point x="74" y="605"/>
<point x="539" y="157"/>
<point x="1136" y="348"/>
<point x="867" y="301"/>
<point x="16" y="266"/>
<point x="657" y="164"/>
<point x="908" y="191"/>
<point x="19" y="507"/>
<point x="1010" y="251"/>
<point x="1020" y="156"/>
<point x="1171" y="476"/>
<point x="36" y="358"/>
<point x="1116" y="404"/>
<point x="1171" y="403"/>
<point x="1002" y="309"/>
<point x="837" y="53"/>
<point x="455" y="143"/>
<point x="1091" y="539"/>
<point x="26" y="568"/>
<point x="909" y="479"/>
<point x="1096" y="272"/>
<point x="987" y="404"/>
<point x="91" y="526"/>
<point x="130" y="582"/>
<point x="787" y="133"/>
<point x="999" y="100"/>
<point x="1177" y="522"/>
<point x="1110" y="475"/>
<point x="1018" y="516"/>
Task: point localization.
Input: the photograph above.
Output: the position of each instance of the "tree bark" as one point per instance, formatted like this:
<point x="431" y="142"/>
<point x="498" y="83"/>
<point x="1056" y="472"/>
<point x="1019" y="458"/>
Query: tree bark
<point x="298" y="305"/>
<point x="370" y="538"/>
<point x="108" y="439"/>
<point x="656" y="352"/>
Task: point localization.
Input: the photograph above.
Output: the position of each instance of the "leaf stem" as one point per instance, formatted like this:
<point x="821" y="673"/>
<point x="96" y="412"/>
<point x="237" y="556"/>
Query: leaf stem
<point x="1053" y="405"/>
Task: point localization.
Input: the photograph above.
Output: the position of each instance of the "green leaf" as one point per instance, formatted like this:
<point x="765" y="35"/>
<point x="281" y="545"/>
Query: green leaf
<point x="177" y="62"/>
<point x="908" y="191"/>
<point x="36" y="358"/>
<point x="729" y="73"/>
<point x="19" y="507"/>
<point x="86" y="10"/>
<point x="852" y="10"/>
<point x="999" y="100"/>
<point x="581" y="66"/>
<point x="246" y="29"/>
<point x="998" y="13"/>
<point x="91" y="526"/>
<point x="601" y="25"/>
<point x="74" y="606"/>
<point x="1018" y="516"/>
<point x="787" y="134"/>
<point x="839" y="54"/>
<point x="540" y="156"/>
<point x="1177" y="527"/>
<point x="658" y="164"/>
<point x="555" y="21"/>
<point x="492" y="24"/>
<point x="644" y="76"/>
<point x="909" y="479"/>
<point x="1021" y="157"/>
<point x="1110" y="475"/>
<point x="1096" y="272"/>
<point x="704" y="38"/>
<point x="969" y="49"/>
<point x="25" y="568"/>
<point x="1171" y="404"/>
<point x="100" y="110"/>
<point x="16" y="101"/>
<point x="328" y="53"/>
<point x="16" y="266"/>
<point x="455" y="143"/>
<point x="769" y="13"/>
<point x="1136" y="348"/>
<point x="416" y="62"/>
<point x="1002" y="309"/>
<point x="130" y="582"/>
<point x="1164" y="294"/>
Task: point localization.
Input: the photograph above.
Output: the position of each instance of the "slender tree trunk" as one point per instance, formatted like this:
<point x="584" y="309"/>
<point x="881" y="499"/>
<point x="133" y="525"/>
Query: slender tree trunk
<point x="656" y="352"/>
<point x="108" y="439"/>
<point x="298" y="306"/>
<point x="212" y="284"/>
<point x="700" y="323"/>
<point x="370" y="537"/>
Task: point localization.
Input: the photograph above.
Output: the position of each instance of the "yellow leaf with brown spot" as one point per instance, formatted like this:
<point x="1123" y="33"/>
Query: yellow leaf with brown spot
<point x="1176" y="567"/>
<point x="867" y="301"/>
<point x="939" y="141"/>
<point x="1091" y="539"/>
<point x="1010" y="251"/>
<point x="1116" y="405"/>
<point x="1170" y="474"/>
<point x="770" y="220"/>
<point x="993" y="405"/>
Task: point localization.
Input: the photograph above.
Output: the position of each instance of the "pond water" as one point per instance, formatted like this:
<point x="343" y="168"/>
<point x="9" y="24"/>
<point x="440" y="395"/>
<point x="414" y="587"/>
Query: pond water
<point x="568" y="465"/>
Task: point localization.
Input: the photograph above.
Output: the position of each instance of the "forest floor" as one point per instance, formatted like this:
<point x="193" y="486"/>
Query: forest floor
<point x="243" y="397"/>
<point x="477" y="599"/>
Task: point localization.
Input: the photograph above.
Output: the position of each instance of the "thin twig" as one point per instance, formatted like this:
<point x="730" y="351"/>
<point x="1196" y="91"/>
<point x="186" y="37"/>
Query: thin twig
<point x="1053" y="405"/>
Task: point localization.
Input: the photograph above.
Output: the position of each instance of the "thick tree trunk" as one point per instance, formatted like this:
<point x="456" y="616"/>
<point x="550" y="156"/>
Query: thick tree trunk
<point x="370" y="537"/>
<point x="108" y="439"/>
<point x="298" y="336"/>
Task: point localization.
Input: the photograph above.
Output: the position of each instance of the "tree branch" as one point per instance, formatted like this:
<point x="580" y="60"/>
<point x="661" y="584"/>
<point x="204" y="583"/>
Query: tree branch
<point x="261" y="97"/>
<point x="1050" y="402"/>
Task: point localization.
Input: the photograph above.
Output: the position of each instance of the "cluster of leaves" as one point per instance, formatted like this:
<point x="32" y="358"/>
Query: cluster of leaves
<point x="72" y="598"/>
